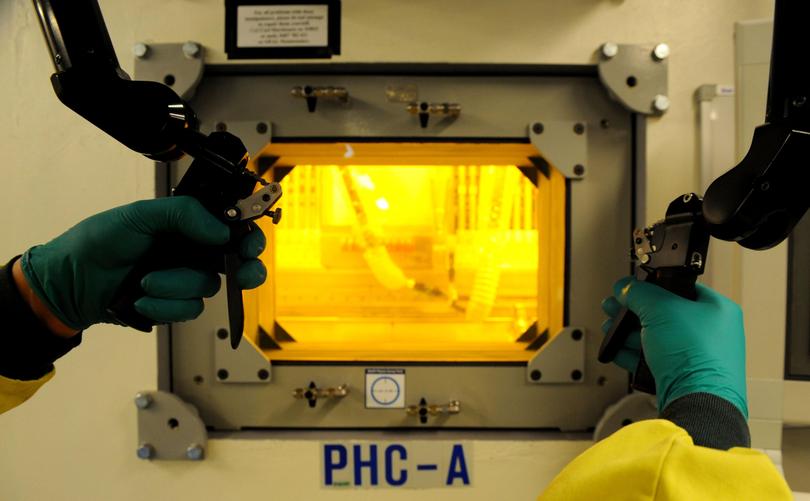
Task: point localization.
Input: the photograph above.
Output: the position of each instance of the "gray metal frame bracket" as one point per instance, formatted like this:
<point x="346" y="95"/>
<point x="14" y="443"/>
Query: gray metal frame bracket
<point x="178" y="65"/>
<point x="169" y="428"/>
<point x="563" y="144"/>
<point x="245" y="364"/>
<point x="562" y="361"/>
<point x="636" y="76"/>
<point x="255" y="134"/>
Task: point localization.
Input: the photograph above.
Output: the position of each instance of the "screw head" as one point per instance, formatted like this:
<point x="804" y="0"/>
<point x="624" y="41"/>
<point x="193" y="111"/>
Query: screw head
<point x="145" y="451"/>
<point x="537" y="128"/>
<point x="799" y="101"/>
<point x="579" y="170"/>
<point x="191" y="50"/>
<point x="194" y="452"/>
<point x="536" y="375"/>
<point x="660" y="103"/>
<point x="232" y="213"/>
<point x="143" y="400"/>
<point x="257" y="208"/>
<point x="579" y="128"/>
<point x="660" y="52"/>
<point x="576" y="375"/>
<point x="261" y="128"/>
<point x="140" y="50"/>
<point x="609" y="50"/>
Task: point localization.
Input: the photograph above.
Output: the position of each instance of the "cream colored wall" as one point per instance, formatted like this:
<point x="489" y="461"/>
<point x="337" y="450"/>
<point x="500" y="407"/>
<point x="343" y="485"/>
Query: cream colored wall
<point x="76" y="438"/>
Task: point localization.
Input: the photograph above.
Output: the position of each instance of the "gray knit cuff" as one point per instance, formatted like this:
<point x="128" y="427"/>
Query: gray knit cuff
<point x="711" y="421"/>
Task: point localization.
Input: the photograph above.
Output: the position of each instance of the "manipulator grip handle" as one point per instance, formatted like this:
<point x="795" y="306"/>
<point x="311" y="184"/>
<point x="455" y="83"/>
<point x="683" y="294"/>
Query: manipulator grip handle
<point x="168" y="252"/>
<point x="626" y="322"/>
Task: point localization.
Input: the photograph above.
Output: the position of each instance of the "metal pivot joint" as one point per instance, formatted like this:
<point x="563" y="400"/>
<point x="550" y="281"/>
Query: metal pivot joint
<point x="425" y="110"/>
<point x="312" y="393"/>
<point x="636" y="75"/>
<point x="168" y="428"/>
<point x="423" y="410"/>
<point x="259" y="203"/>
<point x="312" y="94"/>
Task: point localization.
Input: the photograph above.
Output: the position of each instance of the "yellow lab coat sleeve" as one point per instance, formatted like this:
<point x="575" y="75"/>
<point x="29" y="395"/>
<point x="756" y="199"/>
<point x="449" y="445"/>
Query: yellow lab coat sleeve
<point x="657" y="460"/>
<point x="14" y="392"/>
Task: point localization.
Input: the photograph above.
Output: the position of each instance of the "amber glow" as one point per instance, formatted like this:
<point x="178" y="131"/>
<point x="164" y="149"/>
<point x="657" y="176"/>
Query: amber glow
<point x="411" y="263"/>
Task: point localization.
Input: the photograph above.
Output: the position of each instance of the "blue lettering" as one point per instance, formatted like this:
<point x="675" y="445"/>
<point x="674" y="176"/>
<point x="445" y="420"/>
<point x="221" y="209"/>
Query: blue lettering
<point x="329" y="463"/>
<point x="458" y="466"/>
<point x="359" y="464"/>
<point x="389" y="459"/>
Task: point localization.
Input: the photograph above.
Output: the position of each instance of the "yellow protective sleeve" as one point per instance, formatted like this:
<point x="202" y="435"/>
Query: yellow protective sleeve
<point x="656" y="460"/>
<point x="14" y="392"/>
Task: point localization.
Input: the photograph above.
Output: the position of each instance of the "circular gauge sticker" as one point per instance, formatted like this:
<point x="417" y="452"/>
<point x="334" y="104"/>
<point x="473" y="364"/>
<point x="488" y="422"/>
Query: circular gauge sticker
<point x="385" y="388"/>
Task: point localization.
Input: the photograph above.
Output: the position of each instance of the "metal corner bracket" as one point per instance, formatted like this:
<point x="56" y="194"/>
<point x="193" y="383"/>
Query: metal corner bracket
<point x="255" y="134"/>
<point x="169" y="428"/>
<point x="636" y="75"/>
<point x="562" y="360"/>
<point x="245" y="364"/>
<point x="178" y="65"/>
<point x="563" y="144"/>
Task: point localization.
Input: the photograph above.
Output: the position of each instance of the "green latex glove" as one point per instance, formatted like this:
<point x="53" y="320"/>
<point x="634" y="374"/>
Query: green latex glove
<point x="77" y="273"/>
<point x="690" y="346"/>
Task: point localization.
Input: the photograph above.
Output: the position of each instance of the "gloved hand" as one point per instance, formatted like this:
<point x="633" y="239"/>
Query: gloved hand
<point x="690" y="346"/>
<point x="76" y="274"/>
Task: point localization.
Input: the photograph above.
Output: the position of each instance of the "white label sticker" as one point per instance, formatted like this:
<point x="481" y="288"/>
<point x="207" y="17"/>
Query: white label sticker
<point x="282" y="26"/>
<point x="412" y="464"/>
<point x="385" y="388"/>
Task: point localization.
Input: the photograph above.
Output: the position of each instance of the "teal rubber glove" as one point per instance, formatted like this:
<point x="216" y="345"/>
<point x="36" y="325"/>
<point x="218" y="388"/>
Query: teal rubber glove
<point x="690" y="346"/>
<point x="76" y="274"/>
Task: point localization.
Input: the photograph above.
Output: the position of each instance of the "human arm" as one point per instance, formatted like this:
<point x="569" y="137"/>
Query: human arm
<point x="696" y="352"/>
<point x="60" y="288"/>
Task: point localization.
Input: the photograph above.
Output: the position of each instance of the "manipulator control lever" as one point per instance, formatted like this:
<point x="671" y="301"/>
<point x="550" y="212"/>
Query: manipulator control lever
<point x="424" y="110"/>
<point x="312" y="94"/>
<point x="312" y="393"/>
<point x="423" y="410"/>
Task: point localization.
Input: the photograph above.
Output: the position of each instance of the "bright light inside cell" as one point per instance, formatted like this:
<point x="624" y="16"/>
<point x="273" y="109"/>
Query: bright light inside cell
<point x="382" y="204"/>
<point x="349" y="151"/>
<point x="365" y="181"/>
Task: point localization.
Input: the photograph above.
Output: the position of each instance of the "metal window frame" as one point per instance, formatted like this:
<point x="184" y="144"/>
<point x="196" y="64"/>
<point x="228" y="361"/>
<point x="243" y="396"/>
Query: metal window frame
<point x="637" y="127"/>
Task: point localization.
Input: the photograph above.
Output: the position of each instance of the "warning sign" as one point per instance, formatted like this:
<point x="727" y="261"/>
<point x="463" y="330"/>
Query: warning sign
<point x="282" y="26"/>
